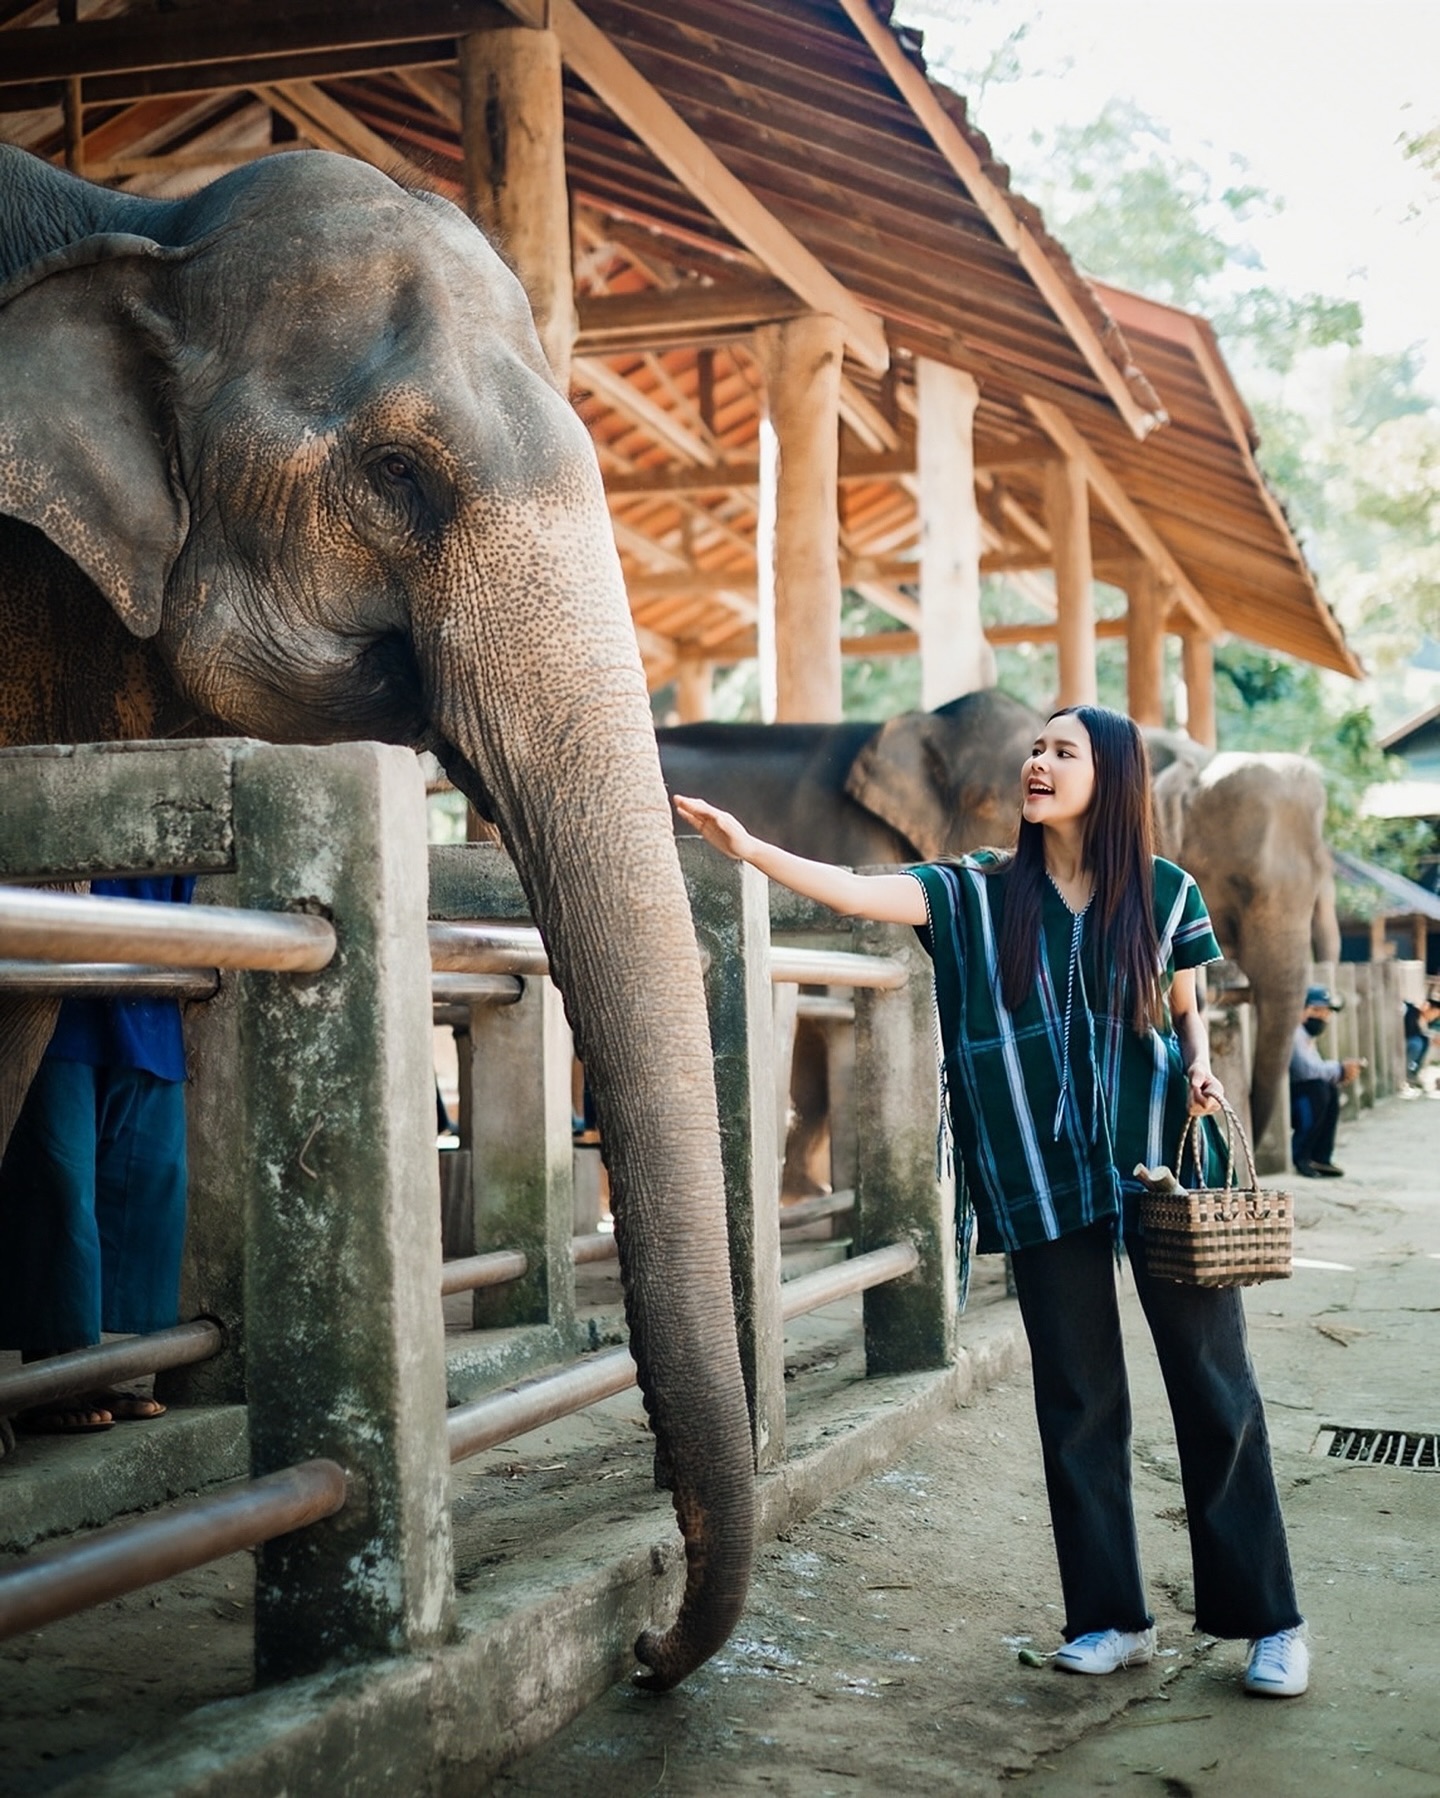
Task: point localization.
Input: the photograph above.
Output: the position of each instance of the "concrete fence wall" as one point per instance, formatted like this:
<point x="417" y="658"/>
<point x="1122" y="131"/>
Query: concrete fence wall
<point x="315" y="1235"/>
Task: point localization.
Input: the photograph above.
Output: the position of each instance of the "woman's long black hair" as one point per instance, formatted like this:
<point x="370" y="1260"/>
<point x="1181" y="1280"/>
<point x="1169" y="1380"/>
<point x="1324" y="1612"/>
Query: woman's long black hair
<point x="1117" y="847"/>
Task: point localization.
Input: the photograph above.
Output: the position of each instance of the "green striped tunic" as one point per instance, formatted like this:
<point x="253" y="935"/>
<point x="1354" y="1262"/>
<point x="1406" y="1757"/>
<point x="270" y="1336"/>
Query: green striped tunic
<point x="1049" y="1123"/>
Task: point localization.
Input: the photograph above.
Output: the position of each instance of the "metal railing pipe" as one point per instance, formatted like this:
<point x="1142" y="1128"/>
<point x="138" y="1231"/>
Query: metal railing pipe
<point x="812" y="1211"/>
<point x="60" y="1581"/>
<point x="80" y="926"/>
<point x="468" y="1273"/>
<point x="837" y="967"/>
<point x="476" y="989"/>
<point x="106" y="979"/>
<point x="601" y="1246"/>
<point x="487" y="949"/>
<point x="85" y="1369"/>
<point x="471" y="1428"/>
<point x="823" y="1287"/>
<point x="822" y="1010"/>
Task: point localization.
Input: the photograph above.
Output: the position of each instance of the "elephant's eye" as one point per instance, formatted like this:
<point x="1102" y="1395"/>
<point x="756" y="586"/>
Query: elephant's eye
<point x="397" y="469"/>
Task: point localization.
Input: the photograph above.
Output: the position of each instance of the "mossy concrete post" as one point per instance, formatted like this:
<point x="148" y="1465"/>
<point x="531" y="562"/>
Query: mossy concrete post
<point x="342" y="1299"/>
<point x="522" y="1154"/>
<point x="1352" y="1044"/>
<point x="909" y="1323"/>
<point x="731" y="907"/>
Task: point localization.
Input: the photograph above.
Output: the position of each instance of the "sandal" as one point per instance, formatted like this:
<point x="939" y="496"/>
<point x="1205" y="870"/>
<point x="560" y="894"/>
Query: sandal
<point x="82" y="1418"/>
<point x="128" y="1407"/>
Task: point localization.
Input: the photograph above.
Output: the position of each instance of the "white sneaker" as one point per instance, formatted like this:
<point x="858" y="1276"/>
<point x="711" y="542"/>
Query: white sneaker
<point x="1279" y="1665"/>
<point x="1107" y="1650"/>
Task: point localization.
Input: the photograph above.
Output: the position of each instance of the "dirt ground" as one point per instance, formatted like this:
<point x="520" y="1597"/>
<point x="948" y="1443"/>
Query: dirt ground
<point x="880" y="1651"/>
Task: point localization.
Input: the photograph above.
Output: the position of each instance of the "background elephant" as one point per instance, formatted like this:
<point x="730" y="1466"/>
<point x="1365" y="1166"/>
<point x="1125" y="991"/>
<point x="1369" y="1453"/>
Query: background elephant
<point x="284" y="459"/>
<point x="1249" y="828"/>
<point x="921" y="785"/>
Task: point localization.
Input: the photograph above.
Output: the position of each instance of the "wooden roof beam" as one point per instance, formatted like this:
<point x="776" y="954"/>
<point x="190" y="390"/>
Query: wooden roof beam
<point x="642" y="410"/>
<point x="326" y="123"/>
<point x="914" y="88"/>
<point x="620" y="86"/>
<point x="1125" y="512"/>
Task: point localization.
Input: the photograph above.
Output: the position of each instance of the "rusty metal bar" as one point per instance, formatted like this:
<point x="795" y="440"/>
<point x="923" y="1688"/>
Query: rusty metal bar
<point x="487" y="949"/>
<point x="499" y="1415"/>
<point x="467" y="1273"/>
<point x="811" y="1211"/>
<point x="836" y="967"/>
<point x="85" y="1369"/>
<point x="69" y="926"/>
<point x="106" y="979"/>
<point x="476" y="989"/>
<point x="823" y="1287"/>
<point x="60" y="1581"/>
<point x="599" y="1247"/>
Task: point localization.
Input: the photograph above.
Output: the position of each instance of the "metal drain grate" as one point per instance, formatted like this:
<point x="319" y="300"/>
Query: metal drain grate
<point x="1418" y="1450"/>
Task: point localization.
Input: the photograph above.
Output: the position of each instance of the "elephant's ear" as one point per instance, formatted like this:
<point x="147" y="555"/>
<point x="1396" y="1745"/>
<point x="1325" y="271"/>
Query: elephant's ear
<point x="85" y="452"/>
<point x="900" y="776"/>
<point x="1172" y="792"/>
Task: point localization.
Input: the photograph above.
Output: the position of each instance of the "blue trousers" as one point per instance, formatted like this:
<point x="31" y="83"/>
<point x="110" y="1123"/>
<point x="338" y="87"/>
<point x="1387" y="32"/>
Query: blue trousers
<point x="1070" y="1308"/>
<point x="92" y="1208"/>
<point x="1314" y="1116"/>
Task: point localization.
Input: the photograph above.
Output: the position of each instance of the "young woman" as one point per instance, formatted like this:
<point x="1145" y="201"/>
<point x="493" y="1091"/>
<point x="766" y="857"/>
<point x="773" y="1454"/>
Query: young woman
<point x="1074" y="1048"/>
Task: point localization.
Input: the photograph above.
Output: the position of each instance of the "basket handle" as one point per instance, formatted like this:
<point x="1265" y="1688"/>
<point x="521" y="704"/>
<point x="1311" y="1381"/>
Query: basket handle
<point x="1190" y="1139"/>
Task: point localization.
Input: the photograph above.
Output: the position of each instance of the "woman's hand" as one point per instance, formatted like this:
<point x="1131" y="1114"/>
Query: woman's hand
<point x="719" y="829"/>
<point x="1206" y="1093"/>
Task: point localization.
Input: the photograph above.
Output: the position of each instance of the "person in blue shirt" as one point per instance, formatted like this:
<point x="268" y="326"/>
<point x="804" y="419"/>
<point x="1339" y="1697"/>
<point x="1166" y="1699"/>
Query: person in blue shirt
<point x="1315" y="1084"/>
<point x="93" y="1184"/>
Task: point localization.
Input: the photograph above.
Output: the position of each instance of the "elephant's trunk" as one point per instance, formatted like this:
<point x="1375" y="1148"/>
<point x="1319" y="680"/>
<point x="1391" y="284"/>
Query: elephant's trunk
<point x="566" y="762"/>
<point x="1277" y="988"/>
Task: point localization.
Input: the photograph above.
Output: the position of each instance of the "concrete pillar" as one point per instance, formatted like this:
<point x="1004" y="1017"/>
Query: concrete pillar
<point x="798" y="543"/>
<point x="512" y="114"/>
<point x="1351" y="1044"/>
<point x="1067" y="518"/>
<point x="731" y="906"/>
<point x="693" y="689"/>
<point x="1145" y="645"/>
<point x="344" y="1330"/>
<point x="522" y="1152"/>
<point x="909" y="1324"/>
<point x="955" y="658"/>
<point x="1198" y="666"/>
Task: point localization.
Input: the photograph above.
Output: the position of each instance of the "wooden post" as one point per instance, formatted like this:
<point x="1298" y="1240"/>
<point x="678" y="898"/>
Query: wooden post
<point x="1198" y="662"/>
<point x="799" y="564"/>
<point x="692" y="689"/>
<point x="1145" y="645"/>
<point x="1067" y="517"/>
<point x="513" y="134"/>
<point x="954" y="655"/>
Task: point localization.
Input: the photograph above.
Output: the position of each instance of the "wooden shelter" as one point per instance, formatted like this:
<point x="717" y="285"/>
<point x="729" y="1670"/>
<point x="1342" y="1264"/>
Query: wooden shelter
<point x="817" y="338"/>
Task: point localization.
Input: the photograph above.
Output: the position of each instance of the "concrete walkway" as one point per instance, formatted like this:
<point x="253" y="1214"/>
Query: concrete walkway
<point x="880" y="1651"/>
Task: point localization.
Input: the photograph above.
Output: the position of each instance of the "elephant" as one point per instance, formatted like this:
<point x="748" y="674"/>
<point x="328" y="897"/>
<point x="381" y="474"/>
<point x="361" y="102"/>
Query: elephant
<point x="919" y="786"/>
<point x="1249" y="827"/>
<point x="284" y="459"/>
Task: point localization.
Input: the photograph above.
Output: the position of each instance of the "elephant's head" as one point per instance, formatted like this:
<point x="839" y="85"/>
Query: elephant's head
<point x="949" y="780"/>
<point x="299" y="432"/>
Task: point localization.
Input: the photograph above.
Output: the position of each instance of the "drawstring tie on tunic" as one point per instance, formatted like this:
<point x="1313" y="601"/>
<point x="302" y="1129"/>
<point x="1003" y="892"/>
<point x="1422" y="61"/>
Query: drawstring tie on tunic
<point x="1073" y="972"/>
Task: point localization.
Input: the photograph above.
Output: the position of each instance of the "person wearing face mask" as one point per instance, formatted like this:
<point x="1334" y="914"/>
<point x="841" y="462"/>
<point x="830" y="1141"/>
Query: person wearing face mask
<point x="1315" y="1086"/>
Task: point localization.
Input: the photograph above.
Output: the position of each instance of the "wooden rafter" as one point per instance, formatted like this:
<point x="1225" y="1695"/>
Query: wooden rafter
<point x="326" y="123"/>
<point x="952" y="144"/>
<point x="615" y="80"/>
<point x="1125" y="513"/>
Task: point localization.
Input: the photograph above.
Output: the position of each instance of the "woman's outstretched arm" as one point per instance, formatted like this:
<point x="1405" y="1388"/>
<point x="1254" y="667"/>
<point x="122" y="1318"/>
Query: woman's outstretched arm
<point x="887" y="898"/>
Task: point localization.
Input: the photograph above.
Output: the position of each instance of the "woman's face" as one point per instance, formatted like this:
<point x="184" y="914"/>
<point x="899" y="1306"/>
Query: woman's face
<point x="1057" y="781"/>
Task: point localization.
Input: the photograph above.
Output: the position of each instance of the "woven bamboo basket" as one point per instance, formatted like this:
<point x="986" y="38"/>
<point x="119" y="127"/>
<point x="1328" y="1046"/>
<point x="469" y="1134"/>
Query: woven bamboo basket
<point x="1230" y="1235"/>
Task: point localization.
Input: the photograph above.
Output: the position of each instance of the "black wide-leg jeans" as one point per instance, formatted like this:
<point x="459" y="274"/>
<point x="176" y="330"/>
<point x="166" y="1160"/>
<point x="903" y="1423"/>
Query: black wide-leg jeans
<point x="1070" y="1307"/>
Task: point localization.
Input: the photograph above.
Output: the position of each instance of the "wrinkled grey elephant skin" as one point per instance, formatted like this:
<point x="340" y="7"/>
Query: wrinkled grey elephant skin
<point x="921" y="785"/>
<point x="1249" y="827"/>
<point x="284" y="459"/>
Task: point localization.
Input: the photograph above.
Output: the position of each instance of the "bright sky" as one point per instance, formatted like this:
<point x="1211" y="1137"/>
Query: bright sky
<point x="1314" y="95"/>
